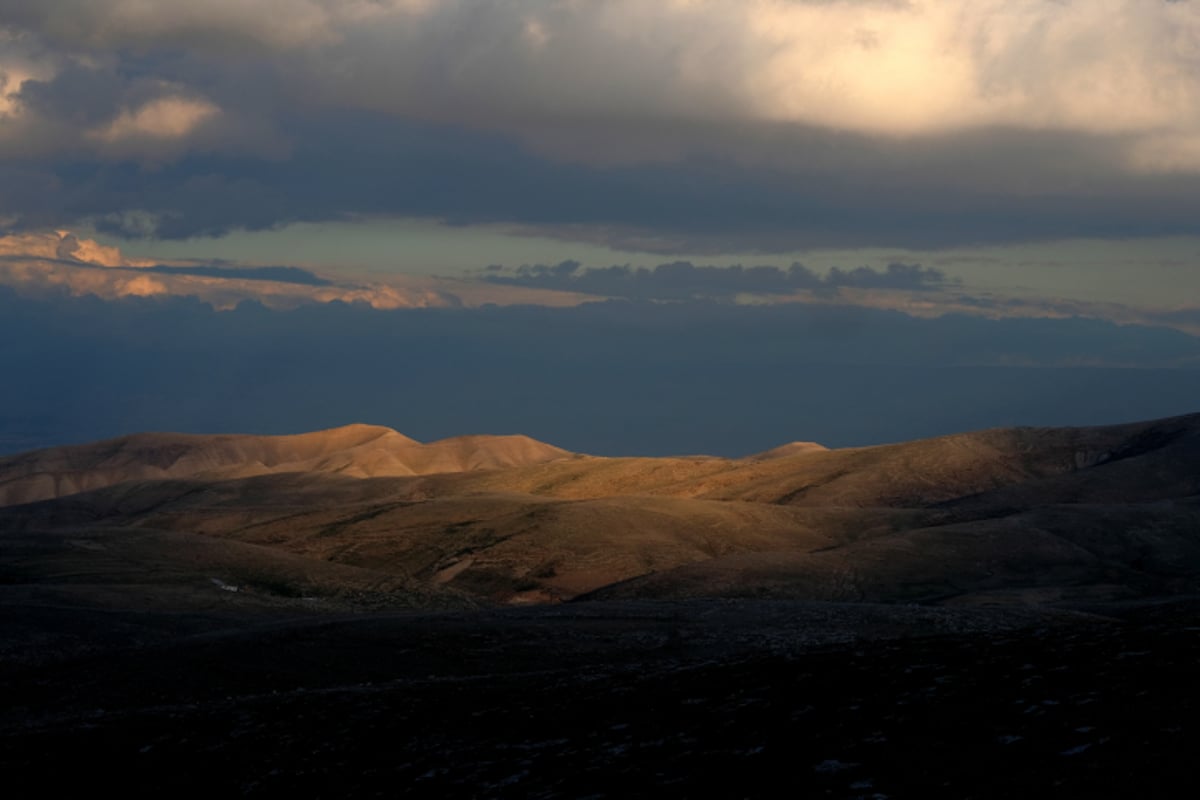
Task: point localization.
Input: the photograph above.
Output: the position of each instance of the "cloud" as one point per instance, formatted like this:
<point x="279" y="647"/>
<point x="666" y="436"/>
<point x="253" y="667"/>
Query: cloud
<point x="163" y="118"/>
<point x="355" y="164"/>
<point x="911" y="289"/>
<point x="682" y="280"/>
<point x="223" y="287"/>
<point x="19" y="63"/>
<point x="49" y="264"/>
<point x="911" y="277"/>
<point x="295" y="275"/>
<point x="63" y="245"/>
<point x="104" y="24"/>
<point x="546" y="70"/>
<point x="688" y="127"/>
<point x="37" y="265"/>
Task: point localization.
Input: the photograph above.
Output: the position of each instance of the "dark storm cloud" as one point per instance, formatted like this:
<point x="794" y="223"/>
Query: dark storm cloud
<point x="370" y="164"/>
<point x="683" y="280"/>
<point x="168" y="119"/>
<point x="647" y="378"/>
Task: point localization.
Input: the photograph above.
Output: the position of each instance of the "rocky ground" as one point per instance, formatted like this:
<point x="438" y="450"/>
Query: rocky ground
<point x="697" y="699"/>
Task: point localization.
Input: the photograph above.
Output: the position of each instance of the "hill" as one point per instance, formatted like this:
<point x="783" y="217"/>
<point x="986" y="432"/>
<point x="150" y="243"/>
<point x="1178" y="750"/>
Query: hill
<point x="351" y="611"/>
<point x="1012" y="515"/>
<point x="357" y="450"/>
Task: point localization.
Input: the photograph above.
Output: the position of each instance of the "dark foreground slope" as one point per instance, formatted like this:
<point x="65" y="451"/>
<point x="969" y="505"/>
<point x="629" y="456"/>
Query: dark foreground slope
<point x="686" y="700"/>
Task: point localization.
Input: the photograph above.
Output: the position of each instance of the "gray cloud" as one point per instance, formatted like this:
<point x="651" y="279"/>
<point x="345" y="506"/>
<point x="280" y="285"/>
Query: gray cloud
<point x="701" y="127"/>
<point x="278" y="274"/>
<point x="367" y="164"/>
<point x="549" y="71"/>
<point x="56" y="263"/>
<point x="682" y="280"/>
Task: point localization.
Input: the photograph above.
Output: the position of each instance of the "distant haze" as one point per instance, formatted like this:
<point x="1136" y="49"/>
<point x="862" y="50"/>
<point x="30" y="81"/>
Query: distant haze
<point x="612" y="378"/>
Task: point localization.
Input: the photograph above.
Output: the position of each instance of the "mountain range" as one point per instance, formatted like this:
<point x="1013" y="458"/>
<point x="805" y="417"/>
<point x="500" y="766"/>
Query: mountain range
<point x="1021" y="515"/>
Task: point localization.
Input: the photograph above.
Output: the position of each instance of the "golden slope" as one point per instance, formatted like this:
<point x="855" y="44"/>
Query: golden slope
<point x="914" y="474"/>
<point x="966" y="515"/>
<point x="354" y="450"/>
<point x="503" y="547"/>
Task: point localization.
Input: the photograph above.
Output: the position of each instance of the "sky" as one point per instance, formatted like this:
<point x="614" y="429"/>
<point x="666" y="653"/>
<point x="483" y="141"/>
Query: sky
<point x="1012" y="163"/>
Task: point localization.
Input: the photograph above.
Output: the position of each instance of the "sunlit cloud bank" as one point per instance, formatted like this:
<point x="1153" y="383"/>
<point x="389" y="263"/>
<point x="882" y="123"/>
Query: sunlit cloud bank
<point x="65" y="246"/>
<point x="58" y="263"/>
<point x="541" y="68"/>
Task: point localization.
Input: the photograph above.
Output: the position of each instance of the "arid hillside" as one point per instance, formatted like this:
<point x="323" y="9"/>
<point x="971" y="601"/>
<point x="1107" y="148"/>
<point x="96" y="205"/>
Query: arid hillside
<point x="356" y="450"/>
<point x="367" y="515"/>
<point x="351" y="611"/>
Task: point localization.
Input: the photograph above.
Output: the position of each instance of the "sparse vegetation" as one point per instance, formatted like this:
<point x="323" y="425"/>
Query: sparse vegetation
<point x="972" y="624"/>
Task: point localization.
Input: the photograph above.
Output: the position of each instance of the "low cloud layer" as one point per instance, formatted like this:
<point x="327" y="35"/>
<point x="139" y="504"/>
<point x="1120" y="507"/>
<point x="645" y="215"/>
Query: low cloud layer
<point x="702" y="126"/>
<point x="60" y="263"/>
<point x="682" y="280"/>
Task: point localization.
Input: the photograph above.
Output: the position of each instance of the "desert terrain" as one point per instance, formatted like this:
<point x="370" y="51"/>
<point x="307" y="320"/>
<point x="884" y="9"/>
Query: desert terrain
<point x="352" y="612"/>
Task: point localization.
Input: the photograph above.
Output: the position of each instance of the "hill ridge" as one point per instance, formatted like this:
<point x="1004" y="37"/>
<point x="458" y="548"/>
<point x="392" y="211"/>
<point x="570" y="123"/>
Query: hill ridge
<point x="357" y="450"/>
<point x="1004" y="515"/>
